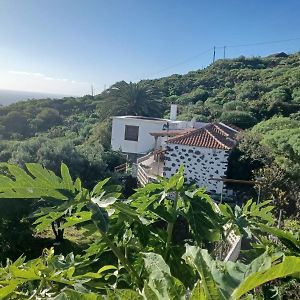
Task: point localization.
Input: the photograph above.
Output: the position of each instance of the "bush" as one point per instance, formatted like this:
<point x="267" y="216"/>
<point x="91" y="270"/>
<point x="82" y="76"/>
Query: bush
<point x="239" y="118"/>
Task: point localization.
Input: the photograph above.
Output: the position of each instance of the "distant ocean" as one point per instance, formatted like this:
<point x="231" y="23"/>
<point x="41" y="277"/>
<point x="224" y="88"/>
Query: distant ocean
<point x="7" y="96"/>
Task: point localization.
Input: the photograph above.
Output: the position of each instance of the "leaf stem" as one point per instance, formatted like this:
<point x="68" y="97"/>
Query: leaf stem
<point x="121" y="257"/>
<point x="170" y="228"/>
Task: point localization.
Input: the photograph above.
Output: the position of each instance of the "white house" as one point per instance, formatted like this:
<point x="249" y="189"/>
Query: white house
<point x="133" y="135"/>
<point x="204" y="153"/>
<point x="161" y="146"/>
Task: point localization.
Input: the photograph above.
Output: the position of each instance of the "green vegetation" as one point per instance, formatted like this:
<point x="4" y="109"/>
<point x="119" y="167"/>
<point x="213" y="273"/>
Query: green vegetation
<point x="271" y="150"/>
<point x="158" y="244"/>
<point x="146" y="244"/>
<point x="242" y="91"/>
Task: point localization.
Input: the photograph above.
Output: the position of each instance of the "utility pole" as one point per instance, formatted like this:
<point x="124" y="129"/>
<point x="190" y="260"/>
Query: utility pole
<point x="214" y="56"/>
<point x="92" y="90"/>
<point x="224" y="52"/>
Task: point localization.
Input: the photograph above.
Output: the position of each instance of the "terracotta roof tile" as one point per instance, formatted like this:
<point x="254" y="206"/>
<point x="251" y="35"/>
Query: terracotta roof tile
<point x="176" y="132"/>
<point x="213" y="135"/>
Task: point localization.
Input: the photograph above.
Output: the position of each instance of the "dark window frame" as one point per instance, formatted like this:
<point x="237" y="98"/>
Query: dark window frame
<point x="131" y="133"/>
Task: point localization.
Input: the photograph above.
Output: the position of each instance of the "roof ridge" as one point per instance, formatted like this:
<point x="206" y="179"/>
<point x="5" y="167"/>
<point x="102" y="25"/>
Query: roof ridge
<point x="208" y="136"/>
<point x="187" y="134"/>
<point x="218" y="126"/>
<point x="229" y="126"/>
<point x="214" y="137"/>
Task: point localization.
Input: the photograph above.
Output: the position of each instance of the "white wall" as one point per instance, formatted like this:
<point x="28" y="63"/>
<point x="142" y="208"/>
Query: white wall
<point x="200" y="164"/>
<point x="145" y="141"/>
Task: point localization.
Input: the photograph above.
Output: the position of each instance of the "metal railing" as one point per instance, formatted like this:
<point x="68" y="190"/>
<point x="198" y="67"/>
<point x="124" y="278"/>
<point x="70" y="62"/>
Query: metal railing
<point x="121" y="168"/>
<point x="142" y="175"/>
<point x="145" y="157"/>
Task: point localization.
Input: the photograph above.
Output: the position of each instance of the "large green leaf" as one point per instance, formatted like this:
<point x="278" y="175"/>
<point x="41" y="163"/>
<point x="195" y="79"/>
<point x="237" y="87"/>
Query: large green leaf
<point x="99" y="187"/>
<point x="203" y="220"/>
<point x="43" y="175"/>
<point x="198" y="292"/>
<point x="76" y="218"/>
<point x="42" y="223"/>
<point x="36" y="183"/>
<point x="160" y="281"/>
<point x="261" y="210"/>
<point x="200" y="261"/>
<point x="123" y="294"/>
<point x="99" y="217"/>
<point x="7" y="290"/>
<point x="287" y="238"/>
<point x="67" y="179"/>
<point x="290" y="266"/>
<point x="69" y="294"/>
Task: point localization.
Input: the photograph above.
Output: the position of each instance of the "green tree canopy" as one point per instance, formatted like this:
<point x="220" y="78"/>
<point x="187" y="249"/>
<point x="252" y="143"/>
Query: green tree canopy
<point x="240" y="118"/>
<point x="47" y="118"/>
<point x="281" y="136"/>
<point x="132" y="99"/>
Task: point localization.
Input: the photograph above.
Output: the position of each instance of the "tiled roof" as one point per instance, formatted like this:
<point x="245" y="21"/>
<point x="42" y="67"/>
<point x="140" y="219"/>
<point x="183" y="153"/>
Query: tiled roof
<point x="213" y="135"/>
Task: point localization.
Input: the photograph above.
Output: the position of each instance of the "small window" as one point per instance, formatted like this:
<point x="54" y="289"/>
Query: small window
<point x="131" y="133"/>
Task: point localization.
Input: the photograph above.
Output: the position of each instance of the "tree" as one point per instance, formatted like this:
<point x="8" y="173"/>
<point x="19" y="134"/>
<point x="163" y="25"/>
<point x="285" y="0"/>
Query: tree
<point x="15" y="123"/>
<point x="271" y="149"/>
<point x="133" y="99"/>
<point x="281" y="136"/>
<point x="47" y="118"/>
<point x="235" y="105"/>
<point x="239" y="118"/>
<point x="88" y="160"/>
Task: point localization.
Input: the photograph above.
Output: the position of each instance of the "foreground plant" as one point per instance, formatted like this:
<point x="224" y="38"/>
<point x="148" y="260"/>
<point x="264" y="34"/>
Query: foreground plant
<point x="150" y="246"/>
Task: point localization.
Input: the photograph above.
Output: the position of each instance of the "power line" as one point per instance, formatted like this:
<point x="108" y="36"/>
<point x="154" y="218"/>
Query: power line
<point x="179" y="63"/>
<point x="260" y="43"/>
<point x="214" y="54"/>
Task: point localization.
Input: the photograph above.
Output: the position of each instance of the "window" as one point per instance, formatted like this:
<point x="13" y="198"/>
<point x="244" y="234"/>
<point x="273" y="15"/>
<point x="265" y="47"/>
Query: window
<point x="131" y="133"/>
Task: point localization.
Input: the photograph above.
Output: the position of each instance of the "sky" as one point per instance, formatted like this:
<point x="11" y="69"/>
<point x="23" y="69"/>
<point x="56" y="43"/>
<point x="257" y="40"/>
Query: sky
<point x="64" y="46"/>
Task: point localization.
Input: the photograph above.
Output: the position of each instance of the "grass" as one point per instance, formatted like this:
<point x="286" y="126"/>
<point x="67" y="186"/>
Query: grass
<point x="75" y="240"/>
<point x="31" y="244"/>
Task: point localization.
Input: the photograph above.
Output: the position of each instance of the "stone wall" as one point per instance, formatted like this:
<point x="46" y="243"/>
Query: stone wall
<point x="200" y="165"/>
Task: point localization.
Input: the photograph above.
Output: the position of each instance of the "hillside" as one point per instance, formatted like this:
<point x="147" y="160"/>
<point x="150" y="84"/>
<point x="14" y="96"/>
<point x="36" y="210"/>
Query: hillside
<point x="242" y="91"/>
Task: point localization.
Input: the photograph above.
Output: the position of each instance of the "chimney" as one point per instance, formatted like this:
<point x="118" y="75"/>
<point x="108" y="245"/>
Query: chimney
<point x="173" y="113"/>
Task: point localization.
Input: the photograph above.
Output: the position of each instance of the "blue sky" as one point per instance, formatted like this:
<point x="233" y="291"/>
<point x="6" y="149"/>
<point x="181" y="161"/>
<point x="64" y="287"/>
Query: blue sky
<point x="62" y="46"/>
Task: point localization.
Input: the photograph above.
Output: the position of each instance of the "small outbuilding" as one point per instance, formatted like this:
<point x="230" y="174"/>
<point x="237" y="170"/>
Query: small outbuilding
<point x="204" y="154"/>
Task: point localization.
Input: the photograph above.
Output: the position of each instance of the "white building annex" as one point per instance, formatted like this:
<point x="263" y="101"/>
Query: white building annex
<point x="138" y="135"/>
<point x="131" y="134"/>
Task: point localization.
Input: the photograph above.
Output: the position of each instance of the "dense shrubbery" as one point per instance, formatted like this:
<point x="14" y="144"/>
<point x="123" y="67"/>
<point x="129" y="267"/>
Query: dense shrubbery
<point x="257" y="88"/>
<point x="161" y="243"/>
<point x="76" y="131"/>
<point x="271" y="149"/>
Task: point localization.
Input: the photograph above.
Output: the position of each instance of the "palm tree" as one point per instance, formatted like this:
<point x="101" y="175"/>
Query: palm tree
<point x="136" y="99"/>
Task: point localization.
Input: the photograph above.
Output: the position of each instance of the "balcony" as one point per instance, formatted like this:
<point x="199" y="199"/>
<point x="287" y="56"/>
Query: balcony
<point x="150" y="166"/>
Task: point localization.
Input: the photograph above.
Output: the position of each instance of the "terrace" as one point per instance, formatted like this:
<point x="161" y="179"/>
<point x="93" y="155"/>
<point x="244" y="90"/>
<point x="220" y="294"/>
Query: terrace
<point x="150" y="166"/>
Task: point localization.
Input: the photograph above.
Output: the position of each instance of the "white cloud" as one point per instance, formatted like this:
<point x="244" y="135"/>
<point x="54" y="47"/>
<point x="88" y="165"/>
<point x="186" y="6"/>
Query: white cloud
<point x="19" y="73"/>
<point x="43" y="76"/>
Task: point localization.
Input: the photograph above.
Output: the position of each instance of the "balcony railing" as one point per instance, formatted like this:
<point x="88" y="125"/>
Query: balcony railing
<point x="150" y="166"/>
